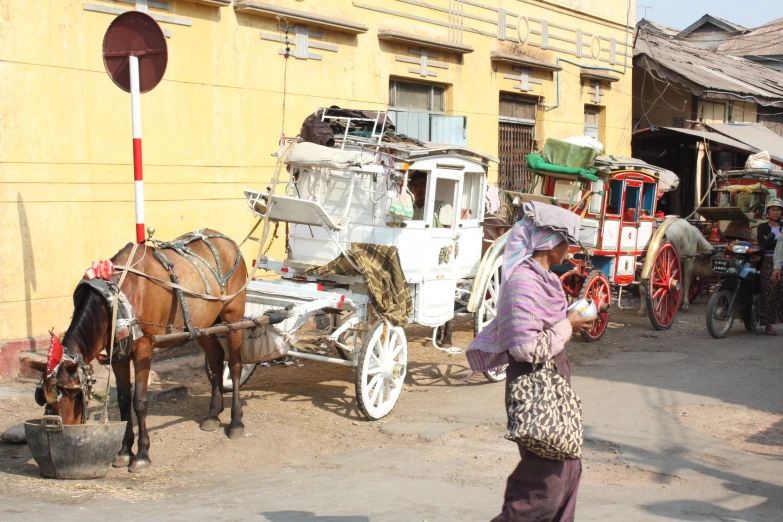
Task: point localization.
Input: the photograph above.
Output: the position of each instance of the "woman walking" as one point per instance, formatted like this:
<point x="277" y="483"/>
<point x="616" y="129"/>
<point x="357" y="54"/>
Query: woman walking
<point x="771" y="299"/>
<point x="532" y="320"/>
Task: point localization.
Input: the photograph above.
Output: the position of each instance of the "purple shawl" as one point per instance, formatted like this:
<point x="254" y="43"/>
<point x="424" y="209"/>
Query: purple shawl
<point x="523" y="282"/>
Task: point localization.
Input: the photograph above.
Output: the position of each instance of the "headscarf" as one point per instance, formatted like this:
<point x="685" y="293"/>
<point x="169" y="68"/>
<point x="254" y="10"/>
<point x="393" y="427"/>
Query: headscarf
<point x="542" y="227"/>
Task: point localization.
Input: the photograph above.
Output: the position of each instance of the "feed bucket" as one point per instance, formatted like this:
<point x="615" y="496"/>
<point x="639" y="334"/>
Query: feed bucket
<point x="78" y="451"/>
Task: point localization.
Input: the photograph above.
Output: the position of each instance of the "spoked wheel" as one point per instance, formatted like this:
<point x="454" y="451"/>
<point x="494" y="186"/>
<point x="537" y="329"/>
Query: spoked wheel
<point x="380" y="375"/>
<point x="247" y="371"/>
<point x="573" y="283"/>
<point x="720" y="316"/>
<point x="751" y="318"/>
<point x="596" y="287"/>
<point x="487" y="312"/>
<point x="665" y="288"/>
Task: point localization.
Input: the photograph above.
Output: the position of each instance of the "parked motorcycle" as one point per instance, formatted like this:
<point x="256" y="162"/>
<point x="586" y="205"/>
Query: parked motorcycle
<point x="736" y="293"/>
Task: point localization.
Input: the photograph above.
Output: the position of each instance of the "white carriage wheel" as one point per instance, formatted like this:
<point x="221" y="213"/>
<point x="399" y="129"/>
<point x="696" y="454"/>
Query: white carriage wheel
<point x="247" y="371"/>
<point x="488" y="311"/>
<point x="380" y="375"/>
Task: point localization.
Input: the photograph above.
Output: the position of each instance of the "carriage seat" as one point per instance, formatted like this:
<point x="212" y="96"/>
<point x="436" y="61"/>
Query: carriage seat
<point x="304" y="212"/>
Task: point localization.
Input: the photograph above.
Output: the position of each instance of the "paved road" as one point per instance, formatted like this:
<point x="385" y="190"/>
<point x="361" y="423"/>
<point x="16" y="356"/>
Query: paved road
<point x="623" y="396"/>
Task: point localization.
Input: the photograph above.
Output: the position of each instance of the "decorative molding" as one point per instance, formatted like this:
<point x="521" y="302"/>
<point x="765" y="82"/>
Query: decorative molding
<point x="143" y="5"/>
<point x="597" y="74"/>
<point x="441" y="45"/>
<point x="424" y="62"/>
<point x="119" y="10"/>
<point x="292" y="15"/>
<point x="524" y="61"/>
<point x="596" y="92"/>
<point x="525" y="30"/>
<point x="212" y="3"/>
<point x="524" y="79"/>
<point x="302" y="42"/>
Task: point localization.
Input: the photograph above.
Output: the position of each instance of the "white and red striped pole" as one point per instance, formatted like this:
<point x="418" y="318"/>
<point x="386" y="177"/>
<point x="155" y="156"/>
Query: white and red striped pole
<point x="138" y="178"/>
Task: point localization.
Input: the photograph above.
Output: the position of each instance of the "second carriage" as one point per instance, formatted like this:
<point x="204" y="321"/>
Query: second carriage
<point x="622" y="240"/>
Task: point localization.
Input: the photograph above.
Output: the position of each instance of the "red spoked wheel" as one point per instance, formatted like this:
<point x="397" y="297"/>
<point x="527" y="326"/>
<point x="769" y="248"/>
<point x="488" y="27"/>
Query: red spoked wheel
<point x="596" y="287"/>
<point x="665" y="287"/>
<point x="573" y="282"/>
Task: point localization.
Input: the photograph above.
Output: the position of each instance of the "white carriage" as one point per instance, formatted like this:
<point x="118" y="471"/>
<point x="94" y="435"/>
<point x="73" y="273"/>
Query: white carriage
<point x="337" y="197"/>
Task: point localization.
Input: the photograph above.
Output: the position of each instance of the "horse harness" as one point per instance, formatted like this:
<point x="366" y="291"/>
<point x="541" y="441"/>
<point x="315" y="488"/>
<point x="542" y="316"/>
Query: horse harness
<point x="126" y="329"/>
<point x="180" y="246"/>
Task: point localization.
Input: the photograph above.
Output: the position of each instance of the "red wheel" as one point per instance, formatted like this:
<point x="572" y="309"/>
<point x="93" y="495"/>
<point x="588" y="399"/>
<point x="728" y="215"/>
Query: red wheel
<point x="596" y="287"/>
<point x="665" y="287"/>
<point x="572" y="282"/>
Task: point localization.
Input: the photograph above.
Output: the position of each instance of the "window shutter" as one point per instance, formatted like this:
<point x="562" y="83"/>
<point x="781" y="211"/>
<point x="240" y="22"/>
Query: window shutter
<point x="412" y="124"/>
<point x="449" y="130"/>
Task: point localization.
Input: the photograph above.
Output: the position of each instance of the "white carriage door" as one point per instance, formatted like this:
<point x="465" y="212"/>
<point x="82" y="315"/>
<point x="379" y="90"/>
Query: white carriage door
<point x="435" y="302"/>
<point x="470" y="234"/>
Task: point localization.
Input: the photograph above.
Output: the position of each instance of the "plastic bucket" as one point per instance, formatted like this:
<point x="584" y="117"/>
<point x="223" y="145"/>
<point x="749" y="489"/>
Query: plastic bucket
<point x="78" y="451"/>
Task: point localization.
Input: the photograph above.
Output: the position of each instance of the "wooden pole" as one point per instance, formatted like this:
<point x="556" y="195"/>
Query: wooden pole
<point x="241" y="325"/>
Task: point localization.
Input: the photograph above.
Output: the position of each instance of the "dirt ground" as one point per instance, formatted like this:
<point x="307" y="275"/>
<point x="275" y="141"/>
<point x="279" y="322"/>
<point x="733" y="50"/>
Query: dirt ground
<point x="304" y="416"/>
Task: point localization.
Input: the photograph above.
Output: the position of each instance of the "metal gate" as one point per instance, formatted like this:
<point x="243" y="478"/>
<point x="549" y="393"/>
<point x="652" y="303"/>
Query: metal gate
<point x="516" y="141"/>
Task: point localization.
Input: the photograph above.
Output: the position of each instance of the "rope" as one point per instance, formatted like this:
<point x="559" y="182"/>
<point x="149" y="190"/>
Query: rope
<point x="113" y="331"/>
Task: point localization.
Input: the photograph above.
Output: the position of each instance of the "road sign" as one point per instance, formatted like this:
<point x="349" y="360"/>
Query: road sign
<point x="135" y="56"/>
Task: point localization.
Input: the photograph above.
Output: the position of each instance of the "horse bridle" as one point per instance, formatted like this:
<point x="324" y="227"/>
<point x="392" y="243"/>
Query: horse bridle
<point x="68" y="387"/>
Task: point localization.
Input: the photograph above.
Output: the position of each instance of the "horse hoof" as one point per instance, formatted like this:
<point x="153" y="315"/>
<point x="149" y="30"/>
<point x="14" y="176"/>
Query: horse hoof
<point x="210" y="424"/>
<point x="122" y="461"/>
<point x="445" y="342"/>
<point x="236" y="432"/>
<point x="138" y="465"/>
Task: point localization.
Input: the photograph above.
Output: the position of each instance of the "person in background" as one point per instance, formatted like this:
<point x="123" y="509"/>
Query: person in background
<point x="771" y="300"/>
<point x="442" y="216"/>
<point x="532" y="318"/>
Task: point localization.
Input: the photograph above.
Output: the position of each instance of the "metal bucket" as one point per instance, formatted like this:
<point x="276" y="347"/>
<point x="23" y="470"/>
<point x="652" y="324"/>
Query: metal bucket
<point x="78" y="451"/>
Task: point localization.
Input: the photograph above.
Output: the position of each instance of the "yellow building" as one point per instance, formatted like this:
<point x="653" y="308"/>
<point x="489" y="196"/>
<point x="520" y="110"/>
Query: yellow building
<point x="507" y="73"/>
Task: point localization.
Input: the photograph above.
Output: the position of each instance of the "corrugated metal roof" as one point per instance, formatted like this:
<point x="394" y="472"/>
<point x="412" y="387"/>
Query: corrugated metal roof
<point x="702" y="70"/>
<point x="657" y="26"/>
<point x="766" y="40"/>
<point x="755" y="135"/>
<point x="714" y="136"/>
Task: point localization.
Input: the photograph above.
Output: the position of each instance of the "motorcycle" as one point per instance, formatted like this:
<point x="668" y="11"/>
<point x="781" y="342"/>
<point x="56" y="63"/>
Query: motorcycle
<point x="736" y="292"/>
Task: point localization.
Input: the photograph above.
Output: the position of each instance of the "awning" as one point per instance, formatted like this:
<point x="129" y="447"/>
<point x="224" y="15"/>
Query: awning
<point x="714" y="137"/>
<point x="755" y="135"/>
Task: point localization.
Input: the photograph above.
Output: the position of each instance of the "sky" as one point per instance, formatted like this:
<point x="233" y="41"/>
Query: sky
<point x="679" y="14"/>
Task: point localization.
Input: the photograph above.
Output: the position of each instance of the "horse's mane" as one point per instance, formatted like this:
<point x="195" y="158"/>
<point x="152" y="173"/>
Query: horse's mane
<point x="90" y="321"/>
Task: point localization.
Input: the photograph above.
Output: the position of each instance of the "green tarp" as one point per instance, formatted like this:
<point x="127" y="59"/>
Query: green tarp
<point x="536" y="162"/>
<point x="566" y="154"/>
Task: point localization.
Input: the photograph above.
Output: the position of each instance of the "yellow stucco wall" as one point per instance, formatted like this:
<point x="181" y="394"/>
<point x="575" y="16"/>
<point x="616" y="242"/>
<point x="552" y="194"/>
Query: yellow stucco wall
<point x="66" y="191"/>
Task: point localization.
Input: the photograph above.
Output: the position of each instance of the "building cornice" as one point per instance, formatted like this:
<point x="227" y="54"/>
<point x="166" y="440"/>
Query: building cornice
<point x="303" y="17"/>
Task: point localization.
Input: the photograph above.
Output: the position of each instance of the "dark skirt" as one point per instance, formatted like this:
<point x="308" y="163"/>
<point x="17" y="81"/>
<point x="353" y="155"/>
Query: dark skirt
<point x="771" y="299"/>
<point x="539" y="489"/>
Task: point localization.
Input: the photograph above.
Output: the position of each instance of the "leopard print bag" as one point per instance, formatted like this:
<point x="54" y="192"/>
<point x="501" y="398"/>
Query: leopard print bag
<point x="544" y="413"/>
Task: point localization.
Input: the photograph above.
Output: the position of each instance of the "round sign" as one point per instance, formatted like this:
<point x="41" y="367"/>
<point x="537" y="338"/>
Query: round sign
<point x="138" y="34"/>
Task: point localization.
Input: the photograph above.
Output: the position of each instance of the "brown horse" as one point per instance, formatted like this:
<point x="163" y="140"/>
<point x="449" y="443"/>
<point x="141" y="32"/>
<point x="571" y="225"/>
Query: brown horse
<point x="155" y="306"/>
<point x="494" y="227"/>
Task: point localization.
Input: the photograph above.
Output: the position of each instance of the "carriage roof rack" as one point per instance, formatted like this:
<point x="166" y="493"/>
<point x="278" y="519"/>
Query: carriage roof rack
<point x="774" y="174"/>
